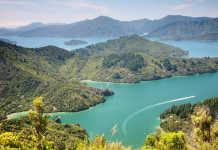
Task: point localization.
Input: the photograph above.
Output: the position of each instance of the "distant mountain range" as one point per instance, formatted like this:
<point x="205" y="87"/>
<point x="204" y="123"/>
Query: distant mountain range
<point x="108" y="27"/>
<point x="189" y="30"/>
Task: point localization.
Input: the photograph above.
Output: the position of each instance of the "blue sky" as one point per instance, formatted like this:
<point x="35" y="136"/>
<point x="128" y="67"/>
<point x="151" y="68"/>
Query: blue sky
<point x="21" y="12"/>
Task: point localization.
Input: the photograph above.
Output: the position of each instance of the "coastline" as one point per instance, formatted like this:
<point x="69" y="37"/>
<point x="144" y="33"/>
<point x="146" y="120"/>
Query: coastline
<point x="17" y="115"/>
<point x="177" y="76"/>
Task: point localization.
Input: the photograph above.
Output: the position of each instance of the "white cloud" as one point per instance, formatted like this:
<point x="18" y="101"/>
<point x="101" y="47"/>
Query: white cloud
<point x="180" y="7"/>
<point x="20" y="12"/>
<point x="77" y="5"/>
<point x="80" y="5"/>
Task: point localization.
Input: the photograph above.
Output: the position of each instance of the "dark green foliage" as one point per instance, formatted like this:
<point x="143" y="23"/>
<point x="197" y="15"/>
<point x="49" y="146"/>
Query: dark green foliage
<point x="183" y="111"/>
<point x="29" y="73"/>
<point x="173" y="123"/>
<point x="178" y="117"/>
<point x="132" y="44"/>
<point x="131" y="67"/>
<point x="212" y="103"/>
<point x="116" y="75"/>
<point x="131" y="61"/>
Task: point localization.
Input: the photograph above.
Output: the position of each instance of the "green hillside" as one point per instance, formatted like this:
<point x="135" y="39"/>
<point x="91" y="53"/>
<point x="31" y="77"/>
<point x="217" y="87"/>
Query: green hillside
<point x="55" y="73"/>
<point x="132" y="44"/>
<point x="133" y="59"/>
<point x="59" y="133"/>
<point x="28" y="73"/>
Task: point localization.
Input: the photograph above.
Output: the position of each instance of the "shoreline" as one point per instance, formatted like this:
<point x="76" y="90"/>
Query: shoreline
<point x="25" y="113"/>
<point x="179" y="76"/>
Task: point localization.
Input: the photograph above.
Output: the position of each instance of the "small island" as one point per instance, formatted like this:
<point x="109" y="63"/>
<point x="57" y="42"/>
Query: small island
<point x="75" y="42"/>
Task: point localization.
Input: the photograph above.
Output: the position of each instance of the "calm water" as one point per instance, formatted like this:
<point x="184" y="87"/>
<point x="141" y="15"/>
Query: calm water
<point x="36" y="42"/>
<point x="130" y="98"/>
<point x="195" y="48"/>
<point x="135" y="108"/>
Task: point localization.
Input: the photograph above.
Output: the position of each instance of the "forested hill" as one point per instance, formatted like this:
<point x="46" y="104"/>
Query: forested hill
<point x="29" y="73"/>
<point x="180" y="118"/>
<point x="132" y="59"/>
<point x="190" y="30"/>
<point x="55" y="73"/>
<point x="132" y="44"/>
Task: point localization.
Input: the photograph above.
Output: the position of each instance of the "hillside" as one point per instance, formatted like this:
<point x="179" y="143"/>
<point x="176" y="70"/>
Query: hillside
<point x="28" y="73"/>
<point x="189" y="30"/>
<point x="55" y="73"/>
<point x="132" y="44"/>
<point x="98" y="27"/>
<point x="59" y="133"/>
<point x="179" y="117"/>
<point x="196" y="130"/>
<point x="133" y="59"/>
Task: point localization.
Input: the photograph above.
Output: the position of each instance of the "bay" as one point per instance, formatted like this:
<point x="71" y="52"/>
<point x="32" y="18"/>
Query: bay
<point x="135" y="108"/>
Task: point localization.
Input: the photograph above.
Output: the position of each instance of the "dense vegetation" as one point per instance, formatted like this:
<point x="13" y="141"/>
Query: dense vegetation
<point x="179" y="118"/>
<point x="41" y="132"/>
<point x="55" y="73"/>
<point x="133" y="59"/>
<point x="28" y="73"/>
<point x="185" y="110"/>
<point x="189" y="30"/>
<point x="132" y="44"/>
<point x="47" y="135"/>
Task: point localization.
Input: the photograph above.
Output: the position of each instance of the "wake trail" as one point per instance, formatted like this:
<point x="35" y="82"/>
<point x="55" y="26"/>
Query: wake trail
<point x="124" y="125"/>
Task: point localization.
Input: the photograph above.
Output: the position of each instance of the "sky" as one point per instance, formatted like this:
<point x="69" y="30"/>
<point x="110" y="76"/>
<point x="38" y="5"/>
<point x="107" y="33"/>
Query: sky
<point x="15" y="13"/>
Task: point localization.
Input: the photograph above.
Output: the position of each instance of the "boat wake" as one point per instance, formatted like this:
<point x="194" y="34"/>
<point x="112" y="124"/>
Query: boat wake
<point x="124" y="125"/>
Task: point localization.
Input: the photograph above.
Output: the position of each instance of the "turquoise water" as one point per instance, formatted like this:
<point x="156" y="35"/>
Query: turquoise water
<point x="129" y="98"/>
<point x="135" y="108"/>
<point x="36" y="42"/>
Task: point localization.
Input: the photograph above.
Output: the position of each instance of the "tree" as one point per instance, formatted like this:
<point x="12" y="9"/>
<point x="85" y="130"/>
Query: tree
<point x="165" y="141"/>
<point x="23" y="140"/>
<point x="39" y="121"/>
<point x="205" y="132"/>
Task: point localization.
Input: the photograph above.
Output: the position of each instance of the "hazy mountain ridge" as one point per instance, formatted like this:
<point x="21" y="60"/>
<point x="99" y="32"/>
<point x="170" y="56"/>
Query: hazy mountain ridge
<point x="101" y="27"/>
<point x="190" y="30"/>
